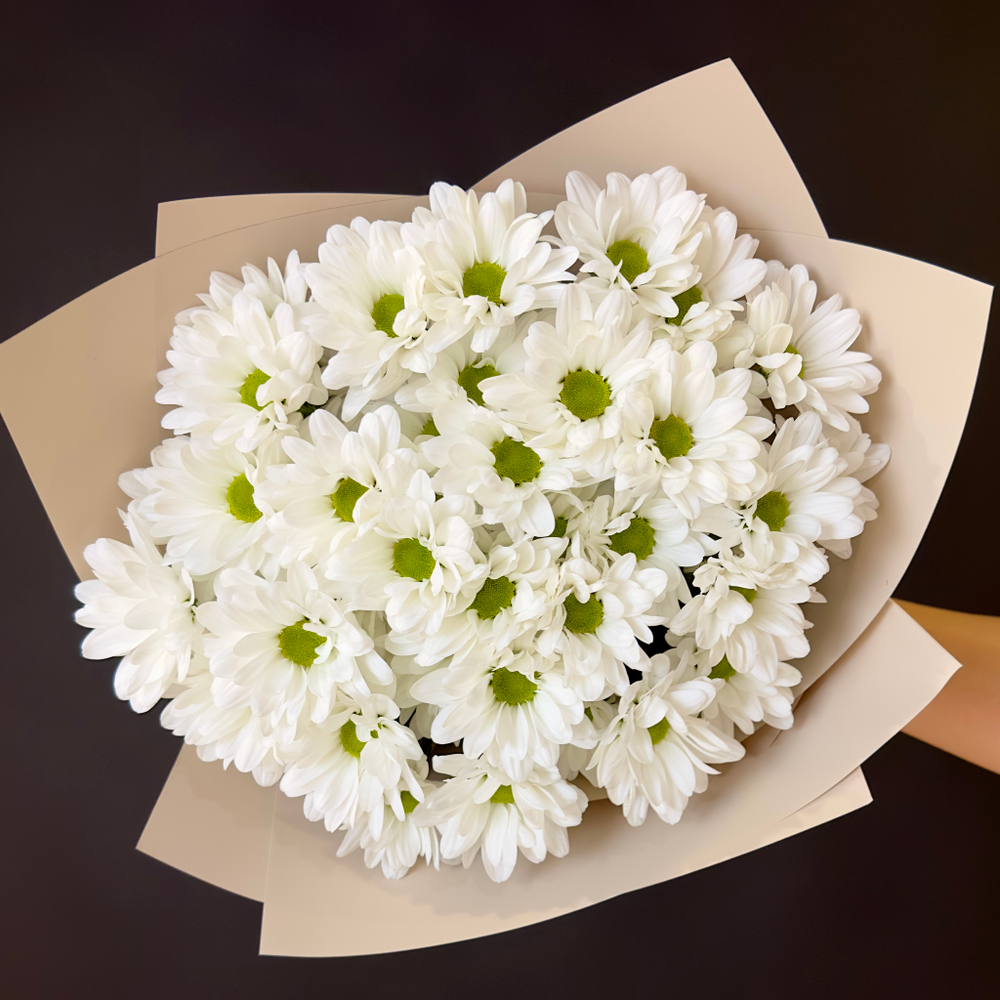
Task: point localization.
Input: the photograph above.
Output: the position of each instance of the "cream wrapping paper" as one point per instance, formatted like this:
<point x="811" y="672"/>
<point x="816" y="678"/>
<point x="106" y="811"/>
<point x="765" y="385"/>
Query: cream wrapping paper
<point x="102" y="420"/>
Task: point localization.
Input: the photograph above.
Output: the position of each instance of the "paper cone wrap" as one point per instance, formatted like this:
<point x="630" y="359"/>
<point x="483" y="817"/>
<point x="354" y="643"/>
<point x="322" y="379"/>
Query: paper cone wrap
<point x="99" y="356"/>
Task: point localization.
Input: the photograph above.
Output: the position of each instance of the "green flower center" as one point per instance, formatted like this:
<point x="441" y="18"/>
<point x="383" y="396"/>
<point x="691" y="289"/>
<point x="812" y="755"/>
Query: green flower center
<point x="308" y="409"/>
<point x="658" y="731"/>
<point x="298" y="644"/>
<point x="637" y="538"/>
<point x="430" y="428"/>
<point x="772" y="509"/>
<point x="240" y="497"/>
<point x="516" y="461"/>
<point x="583" y="619"/>
<point x="345" y="496"/>
<point x="248" y="391"/>
<point x="384" y="312"/>
<point x="749" y="593"/>
<point x="409" y="801"/>
<point x="484" y="279"/>
<point x="791" y="350"/>
<point x="684" y="302"/>
<point x="585" y="394"/>
<point x="723" y="670"/>
<point x="672" y="436"/>
<point x="632" y="258"/>
<point x="469" y="379"/>
<point x="559" y="531"/>
<point x="349" y="738"/>
<point x="511" y="687"/>
<point x="412" y="559"/>
<point x="494" y="596"/>
<point x="504" y="795"/>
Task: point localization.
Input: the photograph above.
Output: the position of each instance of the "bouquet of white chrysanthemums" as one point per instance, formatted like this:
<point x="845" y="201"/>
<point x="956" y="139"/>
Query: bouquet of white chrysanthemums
<point x="428" y="499"/>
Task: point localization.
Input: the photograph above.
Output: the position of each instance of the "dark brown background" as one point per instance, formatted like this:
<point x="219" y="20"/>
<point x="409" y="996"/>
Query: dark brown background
<point x="890" y="112"/>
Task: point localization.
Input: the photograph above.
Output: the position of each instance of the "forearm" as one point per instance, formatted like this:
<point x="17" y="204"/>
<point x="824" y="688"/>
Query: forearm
<point x="964" y="719"/>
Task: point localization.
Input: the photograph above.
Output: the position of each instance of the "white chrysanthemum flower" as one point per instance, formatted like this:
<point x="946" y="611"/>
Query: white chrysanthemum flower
<point x="459" y="370"/>
<point x="286" y="649"/>
<point x="142" y="609"/>
<point x="226" y="294"/>
<point x="727" y="271"/>
<point x="202" y="502"/>
<point x="366" y="283"/>
<point x="480" y="456"/>
<point x="483" y="262"/>
<point x="574" y="757"/>
<point x="335" y="484"/>
<point x="521" y="581"/>
<point x="639" y="235"/>
<point x="356" y="763"/>
<point x="863" y="460"/>
<point x="417" y="714"/>
<point x="577" y="373"/>
<point x="651" y="528"/>
<point x="595" y="627"/>
<point x="658" y="752"/>
<point x="689" y="434"/>
<point x="516" y="711"/>
<point x="418" y="564"/>
<point x="400" y="843"/>
<point x="232" y="735"/>
<point x="802" y="500"/>
<point x="754" y="628"/>
<point x="746" y="699"/>
<point x="241" y="374"/>
<point x="803" y="349"/>
<point x="479" y="809"/>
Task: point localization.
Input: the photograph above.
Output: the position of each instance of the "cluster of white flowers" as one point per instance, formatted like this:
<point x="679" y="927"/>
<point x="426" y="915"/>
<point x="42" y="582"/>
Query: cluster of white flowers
<point x="428" y="498"/>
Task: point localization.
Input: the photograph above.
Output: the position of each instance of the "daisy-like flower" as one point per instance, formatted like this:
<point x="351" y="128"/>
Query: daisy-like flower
<point x="658" y="752"/>
<point x="366" y="284"/>
<point x="596" y="625"/>
<point x="400" y="843"/>
<point x="517" y="711"/>
<point x="727" y="272"/>
<point x="483" y="262"/>
<point x="689" y="434"/>
<point x="335" y="484"/>
<point x="480" y="456"/>
<point x="287" y="649"/>
<point x="651" y="528"/>
<point x="795" y="506"/>
<point x="754" y="628"/>
<point x="459" y="370"/>
<point x="142" y="609"/>
<point x="479" y="809"/>
<point x="639" y="235"/>
<point x="568" y="397"/>
<point x="574" y="757"/>
<point x="803" y="349"/>
<point x="356" y="763"/>
<point x="271" y="288"/>
<point x="419" y="562"/>
<point x="862" y="460"/>
<point x="746" y="699"/>
<point x="232" y="735"/>
<point x="241" y="374"/>
<point x="203" y="502"/>
<point x="521" y="580"/>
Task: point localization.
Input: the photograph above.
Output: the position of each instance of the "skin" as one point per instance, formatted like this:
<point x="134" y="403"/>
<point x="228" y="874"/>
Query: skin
<point x="964" y="718"/>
